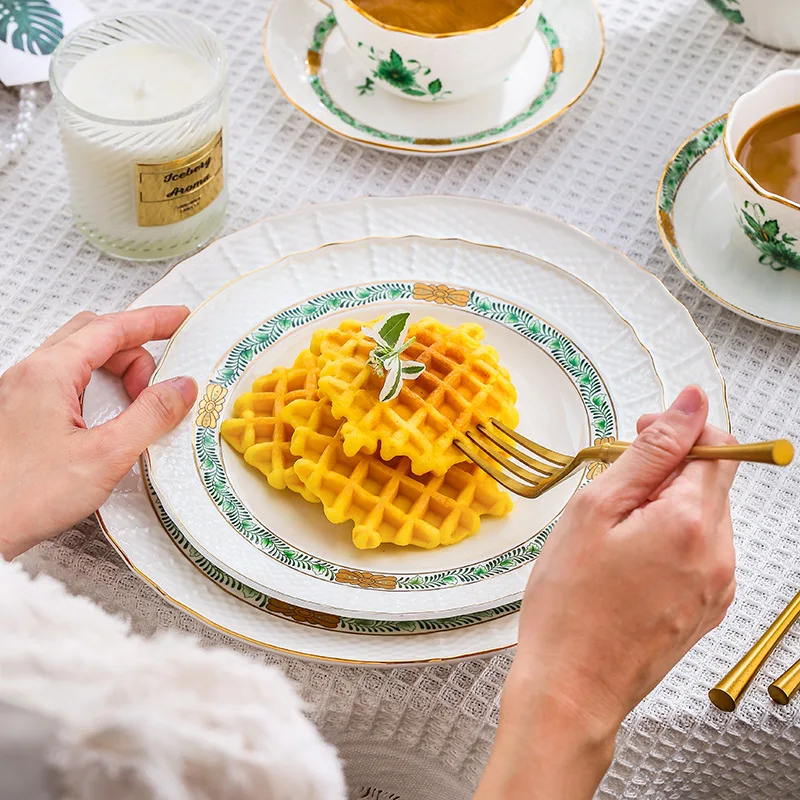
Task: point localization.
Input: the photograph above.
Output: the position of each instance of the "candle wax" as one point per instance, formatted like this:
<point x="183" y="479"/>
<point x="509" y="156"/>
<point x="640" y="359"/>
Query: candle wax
<point x="138" y="80"/>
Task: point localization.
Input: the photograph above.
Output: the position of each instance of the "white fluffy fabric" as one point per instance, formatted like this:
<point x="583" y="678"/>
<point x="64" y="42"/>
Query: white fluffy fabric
<point x="154" y="719"/>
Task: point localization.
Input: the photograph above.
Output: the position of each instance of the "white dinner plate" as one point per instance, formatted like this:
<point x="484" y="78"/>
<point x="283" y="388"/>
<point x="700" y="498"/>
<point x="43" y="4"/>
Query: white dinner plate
<point x="681" y="353"/>
<point x="581" y="373"/>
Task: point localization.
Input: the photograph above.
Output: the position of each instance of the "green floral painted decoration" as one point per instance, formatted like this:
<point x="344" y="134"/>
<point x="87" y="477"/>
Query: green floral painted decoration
<point x="778" y="250"/>
<point x="727" y="8"/>
<point x="327" y="25"/>
<point x="368" y="87"/>
<point x="208" y="450"/>
<point x="32" y="26"/>
<point x="404" y="75"/>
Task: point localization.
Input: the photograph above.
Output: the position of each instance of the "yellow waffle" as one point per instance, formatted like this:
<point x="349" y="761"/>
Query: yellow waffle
<point x="385" y="500"/>
<point x="257" y="430"/>
<point x="463" y="385"/>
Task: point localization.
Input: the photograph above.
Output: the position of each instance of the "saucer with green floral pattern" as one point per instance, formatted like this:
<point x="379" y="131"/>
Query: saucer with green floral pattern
<point x="698" y="224"/>
<point x="309" y="60"/>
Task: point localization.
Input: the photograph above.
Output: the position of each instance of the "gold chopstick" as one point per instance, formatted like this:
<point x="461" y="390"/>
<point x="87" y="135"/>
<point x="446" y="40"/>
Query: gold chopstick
<point x="783" y="689"/>
<point x="725" y="695"/>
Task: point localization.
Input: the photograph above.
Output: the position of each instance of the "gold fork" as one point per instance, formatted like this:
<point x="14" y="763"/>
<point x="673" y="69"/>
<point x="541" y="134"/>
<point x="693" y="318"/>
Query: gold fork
<point x="548" y="467"/>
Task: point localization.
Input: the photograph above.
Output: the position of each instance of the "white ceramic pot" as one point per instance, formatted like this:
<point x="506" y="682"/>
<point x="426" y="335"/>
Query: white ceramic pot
<point x="436" y="67"/>
<point x="772" y="22"/>
<point x="771" y="222"/>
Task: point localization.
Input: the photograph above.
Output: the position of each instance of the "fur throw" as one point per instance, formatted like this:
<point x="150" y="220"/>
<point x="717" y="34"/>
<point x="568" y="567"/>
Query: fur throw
<point x="153" y="719"/>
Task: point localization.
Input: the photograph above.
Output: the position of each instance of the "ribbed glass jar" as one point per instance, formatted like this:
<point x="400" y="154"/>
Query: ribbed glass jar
<point x="144" y="185"/>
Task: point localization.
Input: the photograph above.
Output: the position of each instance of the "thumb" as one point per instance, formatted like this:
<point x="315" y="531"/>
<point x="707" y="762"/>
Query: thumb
<point x="656" y="453"/>
<point x="156" y="411"/>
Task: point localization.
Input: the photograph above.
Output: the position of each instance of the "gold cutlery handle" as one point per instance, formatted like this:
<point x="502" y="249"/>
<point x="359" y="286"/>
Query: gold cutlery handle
<point x="782" y="689"/>
<point x="725" y="695"/>
<point x="780" y="452"/>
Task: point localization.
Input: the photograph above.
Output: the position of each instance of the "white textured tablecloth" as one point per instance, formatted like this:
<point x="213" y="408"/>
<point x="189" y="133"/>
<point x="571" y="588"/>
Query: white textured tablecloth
<point x="425" y="733"/>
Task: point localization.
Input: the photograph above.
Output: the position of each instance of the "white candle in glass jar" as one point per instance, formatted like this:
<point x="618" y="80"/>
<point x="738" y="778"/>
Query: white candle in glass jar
<point x="142" y="101"/>
<point x="138" y="80"/>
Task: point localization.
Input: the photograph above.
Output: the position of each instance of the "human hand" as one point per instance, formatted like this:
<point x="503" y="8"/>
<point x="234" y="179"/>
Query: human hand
<point x="53" y="470"/>
<point x="638" y="569"/>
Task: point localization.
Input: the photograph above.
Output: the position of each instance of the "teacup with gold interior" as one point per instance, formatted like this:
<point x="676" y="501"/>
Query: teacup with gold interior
<point x="762" y="150"/>
<point x="437" y="50"/>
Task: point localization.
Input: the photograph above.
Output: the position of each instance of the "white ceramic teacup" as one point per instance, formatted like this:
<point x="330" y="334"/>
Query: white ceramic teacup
<point x="772" y="22"/>
<point x="771" y="222"/>
<point x="436" y="67"/>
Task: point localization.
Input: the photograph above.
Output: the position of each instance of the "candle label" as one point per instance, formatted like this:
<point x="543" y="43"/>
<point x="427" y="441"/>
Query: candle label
<point x="175" y="190"/>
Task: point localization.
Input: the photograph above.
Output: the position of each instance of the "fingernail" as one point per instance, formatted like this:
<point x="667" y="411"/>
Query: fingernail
<point x="688" y="401"/>
<point x="187" y="387"/>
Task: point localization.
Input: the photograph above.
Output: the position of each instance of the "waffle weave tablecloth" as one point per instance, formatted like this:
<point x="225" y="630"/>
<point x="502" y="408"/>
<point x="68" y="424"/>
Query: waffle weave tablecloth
<point x="414" y="734"/>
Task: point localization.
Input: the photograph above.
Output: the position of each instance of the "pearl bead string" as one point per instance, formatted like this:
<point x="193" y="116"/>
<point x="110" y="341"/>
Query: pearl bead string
<point x="21" y="133"/>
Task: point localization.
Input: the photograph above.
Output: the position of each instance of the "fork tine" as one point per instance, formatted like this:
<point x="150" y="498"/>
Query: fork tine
<point x="546" y="469"/>
<point x="551" y="455"/>
<point x="516" y="470"/>
<point x="490" y="467"/>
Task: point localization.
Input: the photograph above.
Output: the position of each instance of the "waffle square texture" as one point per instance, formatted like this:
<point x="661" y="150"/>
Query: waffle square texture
<point x="256" y="429"/>
<point x="463" y="385"/>
<point x="385" y="500"/>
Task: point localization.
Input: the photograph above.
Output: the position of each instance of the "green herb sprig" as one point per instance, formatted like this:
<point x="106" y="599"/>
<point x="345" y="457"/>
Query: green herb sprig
<point x="390" y="338"/>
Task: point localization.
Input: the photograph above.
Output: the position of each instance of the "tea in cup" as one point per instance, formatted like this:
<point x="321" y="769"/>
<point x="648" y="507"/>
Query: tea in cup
<point x="437" y="50"/>
<point x="772" y="22"/>
<point x="762" y="150"/>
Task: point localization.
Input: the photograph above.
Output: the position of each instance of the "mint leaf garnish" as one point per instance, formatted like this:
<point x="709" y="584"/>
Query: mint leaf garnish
<point x="393" y="382"/>
<point x="385" y="357"/>
<point x="394" y="328"/>
<point x="411" y="369"/>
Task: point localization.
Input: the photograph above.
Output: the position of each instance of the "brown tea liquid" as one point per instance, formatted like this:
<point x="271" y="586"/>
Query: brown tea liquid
<point x="770" y="152"/>
<point x="439" y="16"/>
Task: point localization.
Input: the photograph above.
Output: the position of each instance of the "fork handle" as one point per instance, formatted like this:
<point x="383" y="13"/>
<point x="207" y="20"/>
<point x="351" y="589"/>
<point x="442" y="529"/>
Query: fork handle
<point x="780" y="452"/>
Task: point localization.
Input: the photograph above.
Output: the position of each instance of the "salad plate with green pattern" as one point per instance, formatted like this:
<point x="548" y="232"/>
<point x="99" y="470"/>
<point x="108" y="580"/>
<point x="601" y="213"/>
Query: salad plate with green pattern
<point x="712" y="242"/>
<point x="581" y="373"/>
<point x="310" y="62"/>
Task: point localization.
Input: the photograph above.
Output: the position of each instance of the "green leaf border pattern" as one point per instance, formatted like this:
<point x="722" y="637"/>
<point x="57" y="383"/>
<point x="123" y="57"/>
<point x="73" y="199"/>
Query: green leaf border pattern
<point x="326" y="26"/>
<point x="261" y="601"/>
<point x="677" y="170"/>
<point x="208" y="446"/>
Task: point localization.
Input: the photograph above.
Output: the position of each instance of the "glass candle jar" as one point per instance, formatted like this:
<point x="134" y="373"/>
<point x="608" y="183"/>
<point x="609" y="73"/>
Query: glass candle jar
<point x="142" y="102"/>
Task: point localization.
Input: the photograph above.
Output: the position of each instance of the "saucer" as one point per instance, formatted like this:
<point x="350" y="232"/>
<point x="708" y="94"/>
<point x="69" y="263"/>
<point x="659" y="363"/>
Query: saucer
<point x="309" y="60"/>
<point x="698" y="224"/>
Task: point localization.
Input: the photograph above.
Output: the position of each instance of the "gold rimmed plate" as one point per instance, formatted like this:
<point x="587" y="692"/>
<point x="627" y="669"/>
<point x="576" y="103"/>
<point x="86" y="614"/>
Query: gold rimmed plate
<point x="681" y="354"/>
